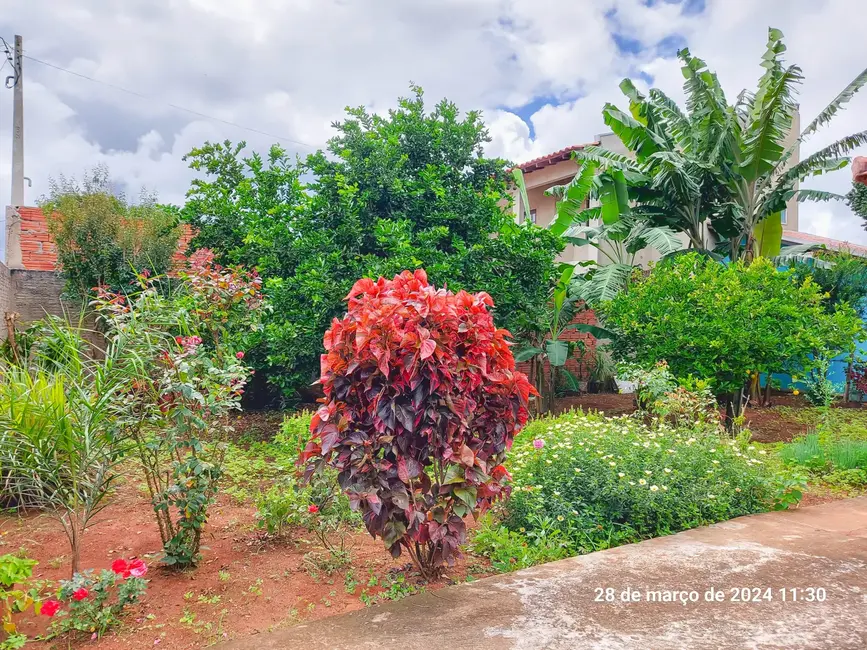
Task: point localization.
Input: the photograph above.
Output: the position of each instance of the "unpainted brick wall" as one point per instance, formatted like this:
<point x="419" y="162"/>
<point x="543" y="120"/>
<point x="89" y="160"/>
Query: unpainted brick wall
<point x="581" y="369"/>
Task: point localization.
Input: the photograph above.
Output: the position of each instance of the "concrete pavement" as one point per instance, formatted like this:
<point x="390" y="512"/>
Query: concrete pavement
<point x="793" y="580"/>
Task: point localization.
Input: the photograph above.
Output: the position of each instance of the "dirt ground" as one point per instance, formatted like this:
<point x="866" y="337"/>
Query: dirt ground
<point x="244" y="586"/>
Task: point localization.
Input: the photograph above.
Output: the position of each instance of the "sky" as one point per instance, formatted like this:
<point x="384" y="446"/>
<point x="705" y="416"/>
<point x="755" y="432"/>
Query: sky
<point x="539" y="70"/>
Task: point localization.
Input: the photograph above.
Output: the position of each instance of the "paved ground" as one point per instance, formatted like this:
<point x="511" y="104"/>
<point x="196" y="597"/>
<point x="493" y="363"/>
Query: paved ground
<point x="555" y="605"/>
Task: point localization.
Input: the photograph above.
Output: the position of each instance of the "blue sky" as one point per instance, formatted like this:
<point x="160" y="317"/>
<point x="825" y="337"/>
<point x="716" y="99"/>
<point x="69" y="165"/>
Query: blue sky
<point x="540" y="70"/>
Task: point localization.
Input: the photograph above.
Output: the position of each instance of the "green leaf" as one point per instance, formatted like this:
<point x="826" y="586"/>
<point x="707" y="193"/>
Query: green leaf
<point x="467" y="495"/>
<point x="525" y="354"/>
<point x="518" y="175"/>
<point x="558" y="352"/>
<point x="769" y="235"/>
<point x="454" y="474"/>
<point x="570" y="379"/>
<point x="595" y="330"/>
<point x="574" y="196"/>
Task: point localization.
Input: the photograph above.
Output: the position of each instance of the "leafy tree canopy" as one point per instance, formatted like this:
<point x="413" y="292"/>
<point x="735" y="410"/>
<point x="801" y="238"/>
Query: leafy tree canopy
<point x="724" y="323"/>
<point x="410" y="189"/>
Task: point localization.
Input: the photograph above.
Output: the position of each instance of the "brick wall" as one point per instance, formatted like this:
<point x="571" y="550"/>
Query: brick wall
<point x="581" y="369"/>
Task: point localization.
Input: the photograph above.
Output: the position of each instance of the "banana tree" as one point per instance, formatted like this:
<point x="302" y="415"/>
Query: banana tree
<point x="725" y="166"/>
<point x="548" y="354"/>
<point x="613" y="228"/>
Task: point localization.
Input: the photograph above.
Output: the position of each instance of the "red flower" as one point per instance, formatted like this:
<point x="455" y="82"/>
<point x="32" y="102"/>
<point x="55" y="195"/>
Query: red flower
<point x="313" y="508"/>
<point x="239" y="355"/>
<point x="178" y="339"/>
<point x="80" y="594"/>
<point x="137" y="568"/>
<point x="50" y="607"/>
<point x="121" y="567"/>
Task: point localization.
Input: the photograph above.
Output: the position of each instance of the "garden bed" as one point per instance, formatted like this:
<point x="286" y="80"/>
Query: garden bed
<point x="788" y="417"/>
<point x="245" y="584"/>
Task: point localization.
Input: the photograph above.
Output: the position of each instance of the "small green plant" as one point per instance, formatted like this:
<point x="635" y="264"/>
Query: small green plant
<point x="848" y="454"/>
<point x="256" y="587"/>
<point x="790" y="491"/>
<point x="350" y="584"/>
<point x="91" y="603"/>
<point x="209" y="599"/>
<point x="18" y="593"/>
<point x="819" y="390"/>
<point x="276" y="507"/>
<point x="847" y="479"/>
<point x="806" y="452"/>
<point x="224" y="576"/>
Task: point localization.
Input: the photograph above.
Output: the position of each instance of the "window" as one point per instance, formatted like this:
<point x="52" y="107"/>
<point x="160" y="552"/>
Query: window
<point x="783" y="216"/>
<point x="533" y="216"/>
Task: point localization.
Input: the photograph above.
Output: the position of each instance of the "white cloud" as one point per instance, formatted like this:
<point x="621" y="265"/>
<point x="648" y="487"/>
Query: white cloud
<point x="288" y="67"/>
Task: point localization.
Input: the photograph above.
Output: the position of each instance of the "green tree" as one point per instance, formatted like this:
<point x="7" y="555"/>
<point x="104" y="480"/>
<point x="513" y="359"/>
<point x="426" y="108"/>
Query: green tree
<point x="857" y="200"/>
<point x="406" y="190"/>
<point x="727" y="323"/>
<point x="729" y="165"/>
<point x="101" y="239"/>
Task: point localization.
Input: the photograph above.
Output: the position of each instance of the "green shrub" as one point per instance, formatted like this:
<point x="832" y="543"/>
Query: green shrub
<point x="101" y="239"/>
<point x="604" y="481"/>
<point x="510" y="550"/>
<point x="724" y="323"/>
<point x="847" y="479"/>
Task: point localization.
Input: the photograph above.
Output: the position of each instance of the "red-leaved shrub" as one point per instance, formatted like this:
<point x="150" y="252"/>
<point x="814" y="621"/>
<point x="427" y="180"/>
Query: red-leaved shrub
<point x="422" y="400"/>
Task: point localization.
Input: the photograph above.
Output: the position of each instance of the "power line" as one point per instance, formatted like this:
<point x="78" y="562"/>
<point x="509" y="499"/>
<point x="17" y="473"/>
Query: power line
<point x="169" y="104"/>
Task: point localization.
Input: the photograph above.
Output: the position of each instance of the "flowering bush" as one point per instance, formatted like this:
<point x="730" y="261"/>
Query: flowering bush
<point x="422" y="401"/>
<point x="92" y="603"/>
<point x="599" y="482"/>
<point x="190" y="378"/>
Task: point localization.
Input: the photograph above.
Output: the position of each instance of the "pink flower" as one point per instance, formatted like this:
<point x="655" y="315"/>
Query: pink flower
<point x="538" y="443"/>
<point x="313" y="508"/>
<point x="239" y="355"/>
<point x="80" y="594"/>
<point x="137" y="568"/>
<point x="50" y="607"/>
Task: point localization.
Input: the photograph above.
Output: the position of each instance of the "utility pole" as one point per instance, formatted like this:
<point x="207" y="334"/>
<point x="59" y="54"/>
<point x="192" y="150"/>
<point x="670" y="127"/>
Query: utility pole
<point x="18" y="125"/>
<point x="15" y="81"/>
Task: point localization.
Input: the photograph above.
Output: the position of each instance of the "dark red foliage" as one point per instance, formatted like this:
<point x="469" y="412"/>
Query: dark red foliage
<point x="422" y="400"/>
<point x="858" y="377"/>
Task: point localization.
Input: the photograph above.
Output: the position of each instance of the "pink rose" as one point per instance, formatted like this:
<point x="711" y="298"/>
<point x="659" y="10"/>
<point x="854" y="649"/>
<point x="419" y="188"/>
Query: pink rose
<point x="538" y="443"/>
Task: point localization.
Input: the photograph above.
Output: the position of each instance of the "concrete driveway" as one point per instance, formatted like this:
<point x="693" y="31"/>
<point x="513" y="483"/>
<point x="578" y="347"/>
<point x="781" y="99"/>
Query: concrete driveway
<point x="790" y="580"/>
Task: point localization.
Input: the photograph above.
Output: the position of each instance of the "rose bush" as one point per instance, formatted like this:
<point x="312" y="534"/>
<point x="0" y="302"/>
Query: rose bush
<point x="422" y="400"/>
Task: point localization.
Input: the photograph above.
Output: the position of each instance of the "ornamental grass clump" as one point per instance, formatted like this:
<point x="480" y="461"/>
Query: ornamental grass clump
<point x="602" y="481"/>
<point x="422" y="401"/>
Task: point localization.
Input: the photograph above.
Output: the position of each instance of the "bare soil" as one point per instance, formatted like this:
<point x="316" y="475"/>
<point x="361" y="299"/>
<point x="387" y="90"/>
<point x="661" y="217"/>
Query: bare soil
<point x="264" y="584"/>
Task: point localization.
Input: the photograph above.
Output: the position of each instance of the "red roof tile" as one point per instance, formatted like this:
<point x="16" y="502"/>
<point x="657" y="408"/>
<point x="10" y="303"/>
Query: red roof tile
<point x="552" y="158"/>
<point x="835" y="244"/>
